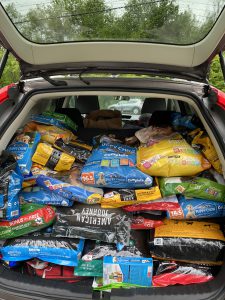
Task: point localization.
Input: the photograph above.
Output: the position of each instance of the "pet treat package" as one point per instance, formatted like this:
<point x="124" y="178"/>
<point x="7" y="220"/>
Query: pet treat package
<point x="79" y="153"/>
<point x="62" y="118"/>
<point x="192" y="187"/>
<point x="114" y="166"/>
<point x="123" y="197"/>
<point x="10" y="185"/>
<point x="38" y="195"/>
<point x="47" y="120"/>
<point x="33" y="217"/>
<point x="171" y="156"/>
<point x="94" y="223"/>
<point x="195" y="208"/>
<point x="136" y="271"/>
<point x="52" y="158"/>
<point x="173" y="273"/>
<point x="189" y="241"/>
<point x="23" y="148"/>
<point x="50" y="133"/>
<point x="201" y="141"/>
<point x="67" y="185"/>
<point x="139" y="222"/>
<point x="167" y="203"/>
<point x="59" y="251"/>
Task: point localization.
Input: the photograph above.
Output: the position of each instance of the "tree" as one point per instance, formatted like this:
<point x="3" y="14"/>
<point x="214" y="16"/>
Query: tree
<point x="216" y="75"/>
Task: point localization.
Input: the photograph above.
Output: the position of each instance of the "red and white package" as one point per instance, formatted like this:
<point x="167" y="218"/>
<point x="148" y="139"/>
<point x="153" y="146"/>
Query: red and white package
<point x="143" y="223"/>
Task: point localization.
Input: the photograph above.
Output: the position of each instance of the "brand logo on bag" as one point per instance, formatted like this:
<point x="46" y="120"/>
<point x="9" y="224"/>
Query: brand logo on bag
<point x="88" y="178"/>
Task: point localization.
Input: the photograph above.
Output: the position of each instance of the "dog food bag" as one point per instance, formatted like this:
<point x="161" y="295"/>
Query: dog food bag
<point x="114" y="166"/>
<point x="71" y="188"/>
<point x="198" y="187"/>
<point x="33" y="217"/>
<point x="10" y="185"/>
<point x="52" y="158"/>
<point x="47" y="120"/>
<point x="23" y="148"/>
<point x="38" y="195"/>
<point x="173" y="273"/>
<point x="201" y="141"/>
<point x="50" y="133"/>
<point x="123" y="197"/>
<point x="171" y="156"/>
<point x="167" y="203"/>
<point x="189" y="241"/>
<point x="79" y="153"/>
<point x="139" y="222"/>
<point x="94" y="223"/>
<point x="64" y="252"/>
<point x="62" y="118"/>
<point x="195" y="208"/>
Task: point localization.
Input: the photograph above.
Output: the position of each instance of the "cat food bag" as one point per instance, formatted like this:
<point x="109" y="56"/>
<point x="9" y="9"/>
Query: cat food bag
<point x="23" y="148"/>
<point x="198" y="187"/>
<point x="179" y="240"/>
<point x="171" y="156"/>
<point x="52" y="158"/>
<point x="94" y="223"/>
<point x="114" y="166"/>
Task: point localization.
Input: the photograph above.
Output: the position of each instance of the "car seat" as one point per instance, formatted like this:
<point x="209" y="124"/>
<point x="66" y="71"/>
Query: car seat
<point x="152" y="104"/>
<point x="86" y="103"/>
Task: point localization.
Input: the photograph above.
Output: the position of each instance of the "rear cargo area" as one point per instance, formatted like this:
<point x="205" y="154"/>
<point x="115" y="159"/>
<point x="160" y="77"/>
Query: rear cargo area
<point x="111" y="196"/>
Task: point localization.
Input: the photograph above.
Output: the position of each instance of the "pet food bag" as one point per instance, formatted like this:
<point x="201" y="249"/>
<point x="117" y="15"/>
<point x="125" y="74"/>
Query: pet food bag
<point x="139" y="222"/>
<point x="33" y="218"/>
<point x="201" y="141"/>
<point x="173" y="273"/>
<point x="62" y="118"/>
<point x="171" y="156"/>
<point x="64" y="252"/>
<point x="38" y="195"/>
<point x="68" y="185"/>
<point x="195" y="208"/>
<point x="47" y="120"/>
<point x="52" y="158"/>
<point x="23" y="148"/>
<point x="94" y="223"/>
<point x="198" y="187"/>
<point x="114" y="166"/>
<point x="165" y="204"/>
<point x="50" y="133"/>
<point x="10" y="185"/>
<point x="189" y="241"/>
<point x="123" y="197"/>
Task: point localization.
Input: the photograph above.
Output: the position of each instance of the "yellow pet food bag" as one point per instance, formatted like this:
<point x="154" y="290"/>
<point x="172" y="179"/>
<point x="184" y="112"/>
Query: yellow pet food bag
<point x="50" y="133"/>
<point x="171" y="156"/>
<point x="54" y="159"/>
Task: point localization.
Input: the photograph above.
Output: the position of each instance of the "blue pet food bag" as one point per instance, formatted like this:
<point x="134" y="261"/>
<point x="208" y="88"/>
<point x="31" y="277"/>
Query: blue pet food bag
<point x="10" y="185"/>
<point x="59" y="251"/>
<point x="114" y="166"/>
<point x="23" y="148"/>
<point x="38" y="195"/>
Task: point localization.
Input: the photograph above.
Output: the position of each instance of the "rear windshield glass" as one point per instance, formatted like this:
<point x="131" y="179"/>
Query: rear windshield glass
<point x="161" y="21"/>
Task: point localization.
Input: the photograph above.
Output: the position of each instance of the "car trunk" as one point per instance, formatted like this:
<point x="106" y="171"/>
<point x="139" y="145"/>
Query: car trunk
<point x="22" y="286"/>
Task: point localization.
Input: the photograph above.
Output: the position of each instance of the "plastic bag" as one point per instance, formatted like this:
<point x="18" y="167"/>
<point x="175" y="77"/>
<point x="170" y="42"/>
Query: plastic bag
<point x="79" y="153"/>
<point x="33" y="217"/>
<point x="67" y="185"/>
<point x="94" y="223"/>
<point x="23" y="148"/>
<point x="171" y="156"/>
<point x="168" y="203"/>
<point x="197" y="209"/>
<point x="123" y="197"/>
<point x="40" y="196"/>
<point x="179" y="240"/>
<point x="10" y="185"/>
<point x="192" y="187"/>
<point x="113" y="166"/>
<point x="62" y="118"/>
<point x="201" y="140"/>
<point x="59" y="251"/>
<point x="50" y="133"/>
<point x="51" y="158"/>
<point x="150" y="134"/>
<point x="172" y="273"/>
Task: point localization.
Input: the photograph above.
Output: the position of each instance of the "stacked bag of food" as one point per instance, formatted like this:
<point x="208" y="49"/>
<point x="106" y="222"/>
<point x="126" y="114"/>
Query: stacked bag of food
<point x="119" y="213"/>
